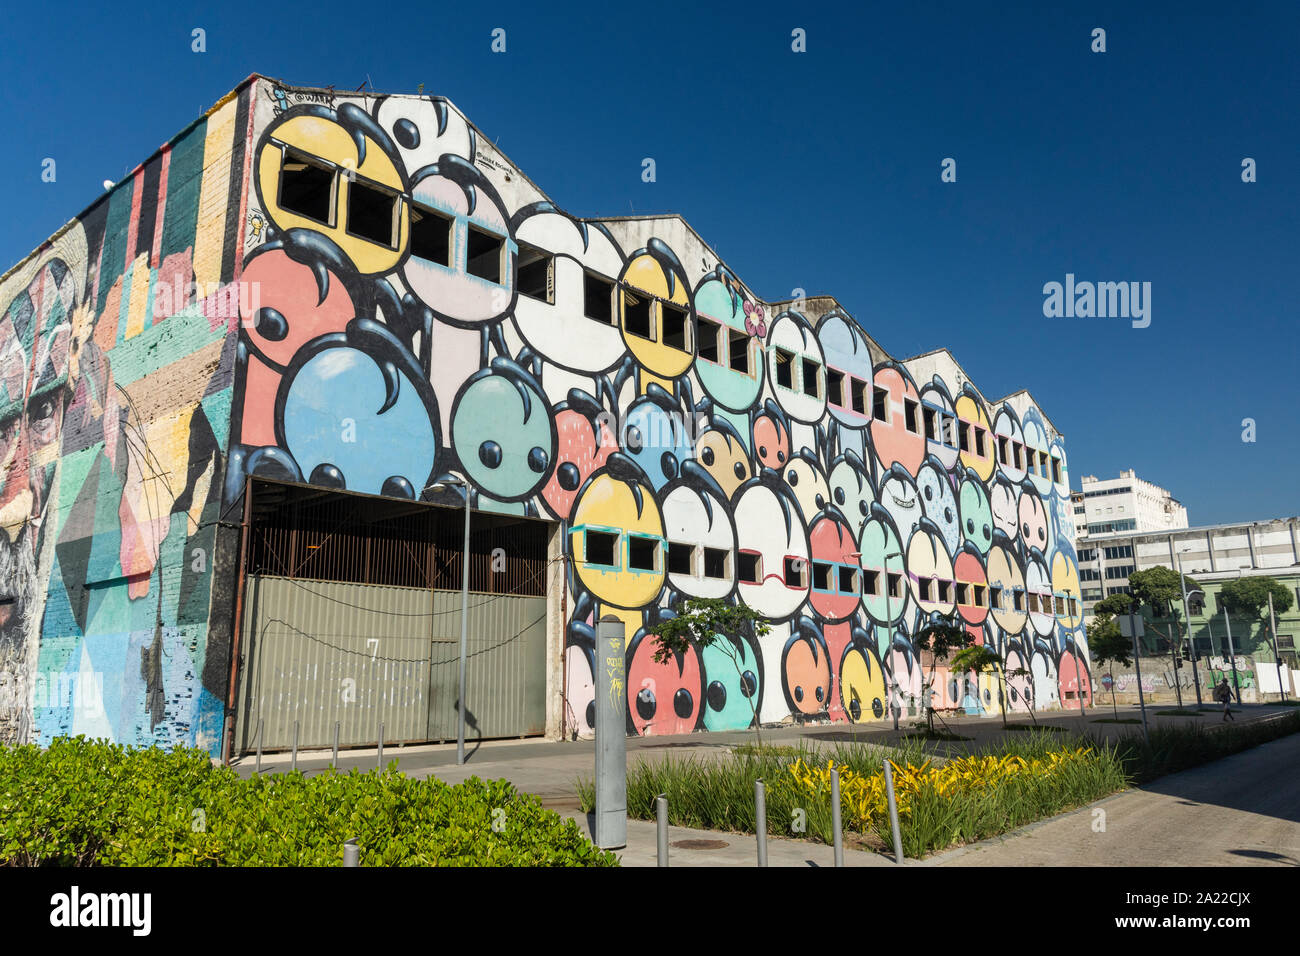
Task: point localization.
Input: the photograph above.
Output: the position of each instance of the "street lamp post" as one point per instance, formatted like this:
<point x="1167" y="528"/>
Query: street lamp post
<point x="1196" y="680"/>
<point x="896" y="705"/>
<point x="443" y="485"/>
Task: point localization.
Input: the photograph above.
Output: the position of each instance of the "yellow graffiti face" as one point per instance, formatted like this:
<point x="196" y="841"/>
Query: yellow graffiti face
<point x="862" y="686"/>
<point x="657" y="324"/>
<point x="972" y="415"/>
<point x="1065" y="584"/>
<point x="618" y="542"/>
<point x="308" y="177"/>
<point x="724" y="458"/>
<point x="808" y="484"/>
<point x="1004" y="572"/>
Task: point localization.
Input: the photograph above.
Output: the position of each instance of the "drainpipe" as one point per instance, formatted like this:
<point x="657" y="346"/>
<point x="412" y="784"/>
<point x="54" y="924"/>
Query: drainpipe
<point x="238" y="623"/>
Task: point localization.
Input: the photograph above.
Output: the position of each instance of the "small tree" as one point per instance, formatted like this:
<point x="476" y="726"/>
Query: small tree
<point x="1248" y="598"/>
<point x="1160" y="589"/>
<point x="982" y="658"/>
<point x="941" y="637"/>
<point x="1105" y="642"/>
<point x="706" y="622"/>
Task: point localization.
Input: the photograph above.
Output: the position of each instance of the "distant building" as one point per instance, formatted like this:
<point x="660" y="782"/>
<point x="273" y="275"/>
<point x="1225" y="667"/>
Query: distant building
<point x="1126" y="503"/>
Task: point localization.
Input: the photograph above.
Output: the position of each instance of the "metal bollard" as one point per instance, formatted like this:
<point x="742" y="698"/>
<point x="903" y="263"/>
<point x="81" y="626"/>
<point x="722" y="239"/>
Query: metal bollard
<point x="258" y="768"/>
<point x="293" y="765"/>
<point x="760" y="819"/>
<point x="661" y="828"/>
<point x="835" y="817"/>
<point x="380" y="761"/>
<point x="893" y="812"/>
<point x="335" y="761"/>
<point x="351" y="853"/>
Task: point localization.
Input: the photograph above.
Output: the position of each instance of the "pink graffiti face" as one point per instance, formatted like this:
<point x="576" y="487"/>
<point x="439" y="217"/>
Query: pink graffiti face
<point x="1074" y="682"/>
<point x="581" y="449"/>
<point x="771" y="442"/>
<point x="908" y="681"/>
<point x="899" y="438"/>
<point x="581" y="693"/>
<point x="1020" y="687"/>
<point x="806" y="672"/>
<point x="973" y="598"/>
<point x="1033" y="520"/>
<point x="834" y="594"/>
<point x="292" y="310"/>
<point x="661" y="698"/>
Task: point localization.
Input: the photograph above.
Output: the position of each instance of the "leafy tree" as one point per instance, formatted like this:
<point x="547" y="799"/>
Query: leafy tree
<point x="1248" y="598"/>
<point x="707" y="622"/>
<point x="940" y="637"/>
<point x="1107" y="645"/>
<point x="1160" y="589"/>
<point x="980" y="658"/>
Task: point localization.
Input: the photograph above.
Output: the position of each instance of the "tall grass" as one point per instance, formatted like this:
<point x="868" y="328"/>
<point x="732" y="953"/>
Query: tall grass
<point x="1172" y="749"/>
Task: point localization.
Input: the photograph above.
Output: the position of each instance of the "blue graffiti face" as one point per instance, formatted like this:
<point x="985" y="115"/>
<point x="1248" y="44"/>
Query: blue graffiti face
<point x="731" y="694"/>
<point x="656" y="440"/>
<point x="976" y="515"/>
<point x="938" y="502"/>
<point x="503" y="432"/>
<point x="340" y="428"/>
<point x="729" y="364"/>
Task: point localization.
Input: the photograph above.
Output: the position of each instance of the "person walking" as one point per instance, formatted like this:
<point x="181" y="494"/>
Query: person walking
<point x="1223" y="694"/>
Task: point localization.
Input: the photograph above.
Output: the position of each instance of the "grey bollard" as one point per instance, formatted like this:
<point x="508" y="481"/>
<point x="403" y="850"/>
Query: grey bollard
<point x="760" y="820"/>
<point x="661" y="828"/>
<point x="351" y="853"/>
<point x="293" y="764"/>
<point x="335" y="761"/>
<point x="379" y="765"/>
<point x="835" y="817"/>
<point x="610" y="826"/>
<point x="258" y="768"/>
<point x="893" y="812"/>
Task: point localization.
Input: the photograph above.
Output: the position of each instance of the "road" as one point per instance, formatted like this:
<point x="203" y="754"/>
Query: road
<point x="1243" y="810"/>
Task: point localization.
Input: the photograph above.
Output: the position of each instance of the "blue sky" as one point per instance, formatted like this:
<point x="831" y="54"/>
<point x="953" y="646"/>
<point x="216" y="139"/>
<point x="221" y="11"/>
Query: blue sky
<point x="821" y="170"/>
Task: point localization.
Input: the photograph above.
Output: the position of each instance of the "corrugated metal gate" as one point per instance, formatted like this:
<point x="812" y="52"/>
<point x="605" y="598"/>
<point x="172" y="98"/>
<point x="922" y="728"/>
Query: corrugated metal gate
<point x="325" y="651"/>
<point x="351" y="614"/>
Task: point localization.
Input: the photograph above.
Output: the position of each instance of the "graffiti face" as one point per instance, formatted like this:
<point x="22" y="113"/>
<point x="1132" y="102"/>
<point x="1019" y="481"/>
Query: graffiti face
<point x="1036" y="444"/>
<point x="663" y="698"/>
<point x="803" y="475"/>
<point x="940" y="417"/>
<point x="732" y="678"/>
<point x="1020" y="682"/>
<point x="834" y="593"/>
<point x="973" y="420"/>
<point x="697" y="523"/>
<point x="503" y="430"/>
<point x="806" y="672"/>
<point x="771" y="440"/>
<point x="583" y="442"/>
<point x="900" y="497"/>
<point x="851" y="489"/>
<point x="862" y="685"/>
<point x="1006" y="586"/>
<point x="1032" y="519"/>
<point x="796" y="368"/>
<point x="972" y="585"/>
<point x="1038" y="588"/>
<point x="1005" y="505"/>
<point x="1010" y="440"/>
<point x="898" y="438"/>
<point x="1065" y="584"/>
<point x="929" y="571"/>
<point x="654" y="436"/>
<point x="884" y="588"/>
<point x="772" y="549"/>
<point x="976" y="513"/>
<point x="938" y="502"/>
<point x="729" y="366"/>
<point x="723" y="456"/>
<point x="849" y="357"/>
<point x="582" y="690"/>
<point x="655" y="311"/>
<point x="616" y="537"/>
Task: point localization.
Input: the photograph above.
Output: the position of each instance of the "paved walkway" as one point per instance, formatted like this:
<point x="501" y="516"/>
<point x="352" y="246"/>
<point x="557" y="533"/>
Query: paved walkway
<point x="551" y="770"/>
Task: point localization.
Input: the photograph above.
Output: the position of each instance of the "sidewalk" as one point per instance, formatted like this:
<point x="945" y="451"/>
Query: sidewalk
<point x="551" y="769"/>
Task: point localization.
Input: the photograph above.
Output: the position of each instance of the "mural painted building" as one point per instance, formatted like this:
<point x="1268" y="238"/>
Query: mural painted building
<point x="238" y="392"/>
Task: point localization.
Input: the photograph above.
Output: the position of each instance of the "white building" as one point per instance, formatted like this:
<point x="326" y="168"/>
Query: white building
<point x="1124" y="504"/>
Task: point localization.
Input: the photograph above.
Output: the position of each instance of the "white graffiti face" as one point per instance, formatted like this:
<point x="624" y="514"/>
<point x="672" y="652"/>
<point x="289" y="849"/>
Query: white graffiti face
<point x="772" y="550"/>
<point x="1010" y="440"/>
<point x="1038" y="591"/>
<point x="796" y="368"/>
<point x="902" y="500"/>
<point x="940" y="419"/>
<point x="701" y="542"/>
<point x="1004" y="503"/>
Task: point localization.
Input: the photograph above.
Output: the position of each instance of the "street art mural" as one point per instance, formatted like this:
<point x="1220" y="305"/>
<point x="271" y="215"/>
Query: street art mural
<point x="424" y="311"/>
<point x="116" y="374"/>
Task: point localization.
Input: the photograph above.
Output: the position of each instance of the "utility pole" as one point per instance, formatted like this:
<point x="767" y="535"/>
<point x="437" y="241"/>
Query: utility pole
<point x="1196" y="680"/>
<point x="1272" y="622"/>
<point x="1232" y="656"/>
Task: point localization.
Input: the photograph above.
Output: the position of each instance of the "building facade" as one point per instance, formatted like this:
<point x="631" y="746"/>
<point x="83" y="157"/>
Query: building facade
<point x="1126" y="503"/>
<point x="245" y="396"/>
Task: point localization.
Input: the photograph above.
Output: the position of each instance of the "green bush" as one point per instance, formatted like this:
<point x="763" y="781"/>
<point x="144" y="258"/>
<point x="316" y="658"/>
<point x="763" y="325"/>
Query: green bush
<point x="91" y="803"/>
<point x="1172" y="749"/>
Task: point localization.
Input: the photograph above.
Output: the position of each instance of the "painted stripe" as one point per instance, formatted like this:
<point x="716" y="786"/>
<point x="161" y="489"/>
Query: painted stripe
<point x="156" y="252"/>
<point x="148" y="219"/>
<point x="133" y="222"/>
<point x="209" y="240"/>
<point x="233" y="249"/>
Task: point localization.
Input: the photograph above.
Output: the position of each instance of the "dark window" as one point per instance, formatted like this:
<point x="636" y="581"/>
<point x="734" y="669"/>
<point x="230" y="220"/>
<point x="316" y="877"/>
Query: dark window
<point x="709" y="348"/>
<point x="598" y="298"/>
<point x="859" y="391"/>
<point x="1002" y="450"/>
<point x="307" y="189"/>
<point x="871" y="582"/>
<point x="835" y="387"/>
<point x="601" y="548"/>
<point x="880" y="405"/>
<point x="945" y="592"/>
<point x="430" y="236"/>
<point x="895" y="584"/>
<point x="963" y="433"/>
<point x="535" y="274"/>
<point x="636" y="314"/>
<point x="370" y="213"/>
<point x="821" y="576"/>
<point x="979" y="442"/>
<point x="909" y="416"/>
<point x="979" y="596"/>
<point x="642" y="553"/>
<point x="1056" y="469"/>
<point x="848" y="581"/>
<point x="926" y="589"/>
<point x="995" y="598"/>
<point x="1060" y="605"/>
<point x="1018" y="600"/>
<point x="715" y="563"/>
<point x="784" y="371"/>
<point x="738" y="351"/>
<point x="963" y="593"/>
<point x="748" y="567"/>
<point x="930" y="431"/>
<point x="674" y="327"/>
<point x="679" y="558"/>
<point x="811" y="378"/>
<point x="1016" y="450"/>
<point x="794" y="568"/>
<point x="484" y="255"/>
<point x="948" y="422"/>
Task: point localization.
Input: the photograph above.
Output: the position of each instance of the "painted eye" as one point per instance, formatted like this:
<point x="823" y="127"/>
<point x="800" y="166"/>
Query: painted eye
<point x="591" y="713"/>
<point x="717" y="695"/>
<point x="1041" y="535"/>
<point x="820" y="694"/>
<point x="707" y="457"/>
<point x="740" y="470"/>
<point x="947" y="514"/>
<point x="929" y="493"/>
<point x="855" y="709"/>
<point x="970" y="526"/>
<point x="490" y="454"/>
<point x="748" y="684"/>
<point x="780" y="456"/>
<point x="792" y="476"/>
<point x="632" y="440"/>
<point x="798" y="694"/>
<point x="988" y="535"/>
<point x="821" y="502"/>
<point x="1025" y="526"/>
<point x="862" y="507"/>
<point x="568" y="476"/>
<point x="877" y="708"/>
<point x="683" y="702"/>
<point x="839" y="497"/>
<point x="645" y="704"/>
<point x="762" y="451"/>
<point x="668" y="462"/>
<point x="270" y="324"/>
<point x="537" y="460"/>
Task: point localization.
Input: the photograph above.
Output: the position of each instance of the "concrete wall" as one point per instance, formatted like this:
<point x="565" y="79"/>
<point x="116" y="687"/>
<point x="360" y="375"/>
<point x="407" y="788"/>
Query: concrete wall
<point x="370" y="368"/>
<point x="115" y="386"/>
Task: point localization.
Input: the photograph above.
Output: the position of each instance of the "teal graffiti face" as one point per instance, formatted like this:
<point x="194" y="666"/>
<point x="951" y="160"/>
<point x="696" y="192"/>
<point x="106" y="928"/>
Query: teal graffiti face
<point x="503" y="433"/>
<point x="976" y="515"/>
<point x="851" y="491"/>
<point x="879" y="542"/>
<point x="731" y="382"/>
<point x="731" y="688"/>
